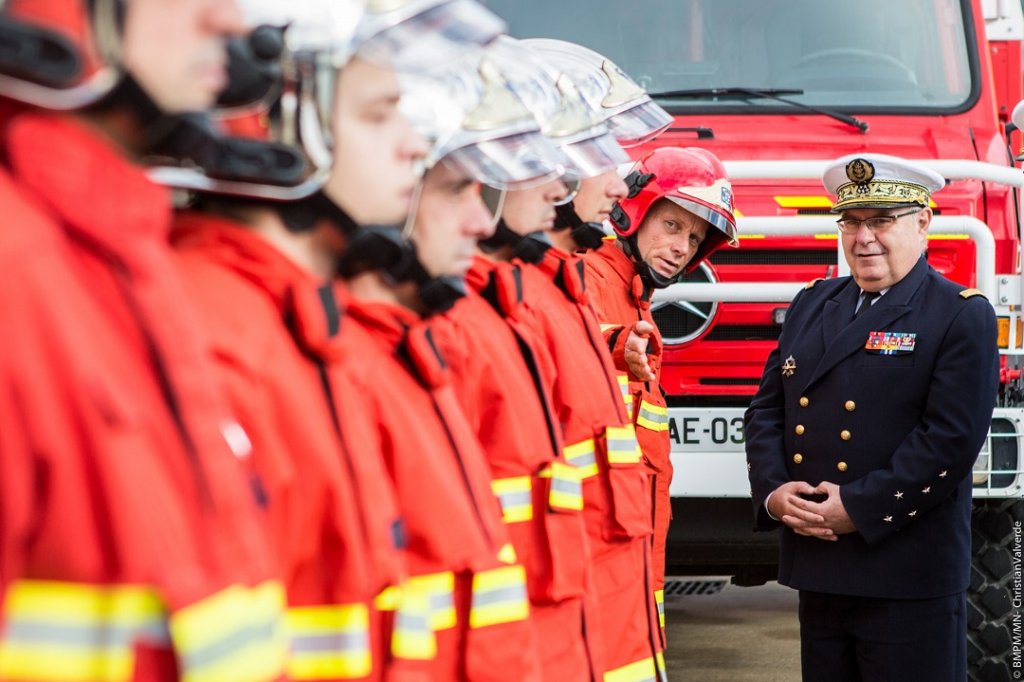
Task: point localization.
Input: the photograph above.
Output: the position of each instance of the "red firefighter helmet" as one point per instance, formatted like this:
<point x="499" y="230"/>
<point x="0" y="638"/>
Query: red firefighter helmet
<point x="692" y="178"/>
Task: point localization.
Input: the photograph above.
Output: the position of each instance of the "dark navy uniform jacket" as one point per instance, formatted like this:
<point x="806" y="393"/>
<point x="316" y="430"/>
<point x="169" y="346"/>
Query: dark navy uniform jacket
<point x="898" y="428"/>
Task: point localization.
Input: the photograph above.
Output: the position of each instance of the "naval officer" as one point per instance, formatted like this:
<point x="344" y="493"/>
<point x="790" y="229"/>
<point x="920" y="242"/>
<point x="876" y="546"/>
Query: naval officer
<point x="862" y="436"/>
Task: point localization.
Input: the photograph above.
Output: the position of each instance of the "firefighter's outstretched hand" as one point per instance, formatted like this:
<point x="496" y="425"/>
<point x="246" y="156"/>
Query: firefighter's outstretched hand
<point x="635" y="351"/>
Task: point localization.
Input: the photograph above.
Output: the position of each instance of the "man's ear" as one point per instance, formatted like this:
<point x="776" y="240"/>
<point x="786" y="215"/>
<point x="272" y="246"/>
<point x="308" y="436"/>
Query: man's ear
<point x="924" y="219"/>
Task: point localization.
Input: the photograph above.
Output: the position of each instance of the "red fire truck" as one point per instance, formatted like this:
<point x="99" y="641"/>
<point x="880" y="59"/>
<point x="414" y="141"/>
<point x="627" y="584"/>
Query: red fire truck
<point x="777" y="88"/>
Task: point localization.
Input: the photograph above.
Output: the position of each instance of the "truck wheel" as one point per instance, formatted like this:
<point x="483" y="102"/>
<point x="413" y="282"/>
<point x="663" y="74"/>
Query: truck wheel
<point x="989" y="600"/>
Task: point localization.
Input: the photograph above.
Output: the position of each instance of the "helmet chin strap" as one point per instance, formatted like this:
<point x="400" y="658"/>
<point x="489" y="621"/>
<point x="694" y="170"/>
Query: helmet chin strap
<point x="588" y="236"/>
<point x="378" y="248"/>
<point x="651" y="278"/>
<point x="529" y="248"/>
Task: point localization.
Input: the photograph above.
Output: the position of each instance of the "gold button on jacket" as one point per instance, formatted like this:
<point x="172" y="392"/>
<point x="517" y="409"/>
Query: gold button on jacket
<point x="845" y="435"/>
<point x="850" y="406"/>
<point x="799" y="429"/>
<point x="842" y="466"/>
<point x="798" y="458"/>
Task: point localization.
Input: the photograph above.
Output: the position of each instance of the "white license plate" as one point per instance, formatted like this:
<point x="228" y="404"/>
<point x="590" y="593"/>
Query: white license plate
<point x="706" y="430"/>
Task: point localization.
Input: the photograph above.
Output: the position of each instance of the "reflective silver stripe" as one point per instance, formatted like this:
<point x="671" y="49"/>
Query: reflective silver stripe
<point x="499" y="595"/>
<point x="653" y="416"/>
<point x="439" y="601"/>
<point x="106" y="635"/>
<point x="622" y="445"/>
<point x="357" y="642"/>
<point x="583" y="460"/>
<point x="230" y="645"/>
<point x="566" y="486"/>
<point x="515" y="499"/>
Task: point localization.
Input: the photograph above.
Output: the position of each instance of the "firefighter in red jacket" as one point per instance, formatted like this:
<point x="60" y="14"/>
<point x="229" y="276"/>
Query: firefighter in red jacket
<point x="462" y="567"/>
<point x="270" y="304"/>
<point x="265" y="279"/>
<point x="500" y="376"/>
<point x="588" y="404"/>
<point x="683" y="214"/>
<point x="129" y="539"/>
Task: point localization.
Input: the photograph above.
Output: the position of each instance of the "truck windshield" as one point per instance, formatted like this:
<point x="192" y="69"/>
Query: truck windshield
<point x="869" y="54"/>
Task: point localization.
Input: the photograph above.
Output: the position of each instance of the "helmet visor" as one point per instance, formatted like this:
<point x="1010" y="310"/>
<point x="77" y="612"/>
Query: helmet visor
<point x="715" y="217"/>
<point x="592" y="156"/>
<point x="639" y="124"/>
<point x="428" y="38"/>
<point x="517" y="161"/>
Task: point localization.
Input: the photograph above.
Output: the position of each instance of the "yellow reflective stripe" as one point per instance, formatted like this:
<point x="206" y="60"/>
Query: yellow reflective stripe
<point x="566" y="486"/>
<point x="499" y="596"/>
<point x="627" y="395"/>
<point x="57" y="631"/>
<point x="606" y="327"/>
<point x="515" y="497"/>
<point x="659" y="660"/>
<point x="237" y="634"/>
<point x="659" y="599"/>
<point x="329" y="642"/>
<point x="439" y="589"/>
<point x="640" y="671"/>
<point x="622" y="445"/>
<point x="388" y="599"/>
<point x="583" y="456"/>
<point x="652" y="417"/>
<point x="413" y="636"/>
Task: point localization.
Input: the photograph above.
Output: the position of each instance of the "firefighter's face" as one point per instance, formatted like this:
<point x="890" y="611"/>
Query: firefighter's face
<point x="669" y="237"/>
<point x="175" y="49"/>
<point x="597" y="196"/>
<point x="450" y="219"/>
<point x="375" y="147"/>
<point x="533" y="210"/>
<point x="880" y="259"/>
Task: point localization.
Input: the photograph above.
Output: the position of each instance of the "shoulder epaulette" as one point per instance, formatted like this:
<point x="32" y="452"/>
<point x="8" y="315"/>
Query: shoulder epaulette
<point x="967" y="293"/>
<point x="810" y="285"/>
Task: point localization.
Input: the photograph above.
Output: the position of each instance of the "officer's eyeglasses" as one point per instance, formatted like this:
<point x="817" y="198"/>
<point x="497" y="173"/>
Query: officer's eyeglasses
<point x="879" y="223"/>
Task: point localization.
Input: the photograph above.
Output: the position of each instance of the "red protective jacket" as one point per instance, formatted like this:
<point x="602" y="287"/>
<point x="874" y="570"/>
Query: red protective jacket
<point x="458" y="548"/>
<point x="620" y="300"/>
<point x="590" y="408"/>
<point x="332" y="514"/>
<point x="130" y="546"/>
<point x="498" y="378"/>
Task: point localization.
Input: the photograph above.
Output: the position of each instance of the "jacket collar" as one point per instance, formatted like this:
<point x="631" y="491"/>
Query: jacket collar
<point x="82" y="170"/>
<point x="311" y="309"/>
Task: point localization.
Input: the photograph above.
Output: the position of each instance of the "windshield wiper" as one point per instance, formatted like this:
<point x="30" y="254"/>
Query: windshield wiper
<point x="762" y="93"/>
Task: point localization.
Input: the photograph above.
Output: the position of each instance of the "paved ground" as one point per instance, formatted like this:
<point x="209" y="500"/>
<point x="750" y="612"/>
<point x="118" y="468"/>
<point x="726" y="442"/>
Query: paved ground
<point x="737" y="634"/>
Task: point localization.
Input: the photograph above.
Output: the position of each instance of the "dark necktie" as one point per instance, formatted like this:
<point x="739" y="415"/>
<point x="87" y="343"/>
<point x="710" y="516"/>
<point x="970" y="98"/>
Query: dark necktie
<point x="868" y="297"/>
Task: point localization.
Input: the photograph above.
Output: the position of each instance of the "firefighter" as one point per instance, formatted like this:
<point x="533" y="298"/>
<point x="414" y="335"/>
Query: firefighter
<point x="683" y="214"/>
<point x="460" y="558"/>
<point x="634" y="119"/>
<point x="265" y="275"/>
<point x="501" y="380"/>
<point x="467" y="565"/>
<point x="598" y="436"/>
<point x="268" y="299"/>
<point x="129" y="539"/>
